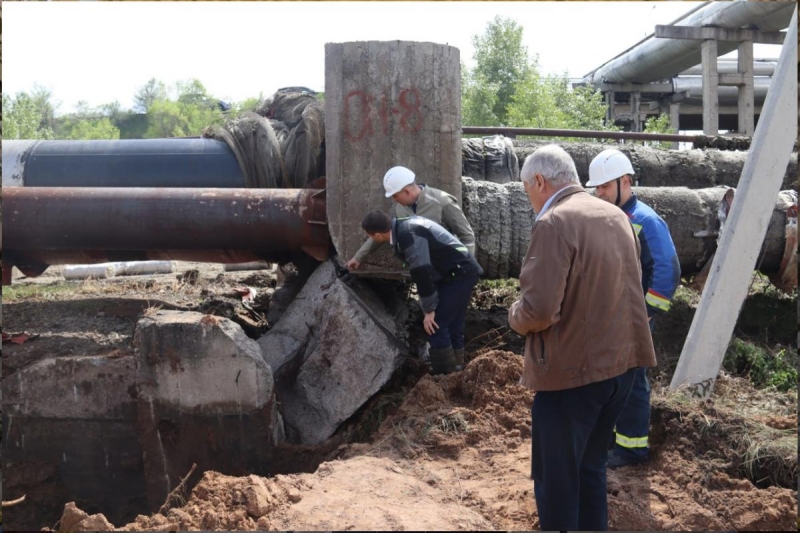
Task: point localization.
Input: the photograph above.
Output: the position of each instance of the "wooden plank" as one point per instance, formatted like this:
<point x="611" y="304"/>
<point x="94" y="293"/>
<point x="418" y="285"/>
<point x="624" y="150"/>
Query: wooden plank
<point x="735" y="260"/>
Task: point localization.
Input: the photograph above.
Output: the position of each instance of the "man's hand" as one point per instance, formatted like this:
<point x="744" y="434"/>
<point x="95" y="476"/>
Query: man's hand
<point x="429" y="324"/>
<point x="352" y="264"/>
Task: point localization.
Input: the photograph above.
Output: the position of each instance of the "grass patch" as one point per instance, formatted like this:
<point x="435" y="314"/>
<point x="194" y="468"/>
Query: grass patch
<point x="766" y="368"/>
<point x="38" y="291"/>
<point x="752" y="431"/>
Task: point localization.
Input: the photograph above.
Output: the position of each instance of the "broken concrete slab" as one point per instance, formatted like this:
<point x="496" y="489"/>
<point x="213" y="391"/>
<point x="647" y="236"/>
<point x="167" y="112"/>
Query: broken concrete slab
<point x="335" y="346"/>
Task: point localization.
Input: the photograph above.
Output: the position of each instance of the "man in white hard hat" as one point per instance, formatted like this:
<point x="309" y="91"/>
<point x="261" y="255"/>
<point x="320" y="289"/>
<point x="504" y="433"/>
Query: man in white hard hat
<point x="611" y="174"/>
<point x="585" y="323"/>
<point x="422" y="200"/>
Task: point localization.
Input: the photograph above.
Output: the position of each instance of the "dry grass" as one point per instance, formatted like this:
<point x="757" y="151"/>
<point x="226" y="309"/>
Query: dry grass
<point x="736" y="421"/>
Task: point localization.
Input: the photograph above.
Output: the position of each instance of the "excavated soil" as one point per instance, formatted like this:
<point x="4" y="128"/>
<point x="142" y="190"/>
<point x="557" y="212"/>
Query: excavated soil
<point x="453" y="452"/>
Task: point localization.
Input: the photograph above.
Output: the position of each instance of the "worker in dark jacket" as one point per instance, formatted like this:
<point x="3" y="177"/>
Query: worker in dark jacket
<point x="444" y="272"/>
<point x="611" y="173"/>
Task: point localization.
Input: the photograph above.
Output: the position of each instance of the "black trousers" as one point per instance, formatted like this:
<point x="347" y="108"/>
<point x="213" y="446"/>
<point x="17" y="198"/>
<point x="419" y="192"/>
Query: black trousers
<point x="570" y="432"/>
<point x="451" y="311"/>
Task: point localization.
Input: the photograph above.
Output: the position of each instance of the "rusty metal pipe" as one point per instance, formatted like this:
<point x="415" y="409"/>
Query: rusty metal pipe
<point x="56" y="225"/>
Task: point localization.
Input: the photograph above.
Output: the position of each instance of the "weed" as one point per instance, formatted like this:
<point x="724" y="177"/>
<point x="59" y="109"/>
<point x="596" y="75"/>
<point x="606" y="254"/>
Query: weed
<point x="765" y="368"/>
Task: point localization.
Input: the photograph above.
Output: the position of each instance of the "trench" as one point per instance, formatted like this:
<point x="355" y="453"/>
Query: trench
<point x="100" y="464"/>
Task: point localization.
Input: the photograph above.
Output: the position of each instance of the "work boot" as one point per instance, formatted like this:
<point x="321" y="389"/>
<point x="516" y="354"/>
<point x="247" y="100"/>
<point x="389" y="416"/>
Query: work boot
<point x="459" y="354"/>
<point x="616" y="460"/>
<point x="443" y="360"/>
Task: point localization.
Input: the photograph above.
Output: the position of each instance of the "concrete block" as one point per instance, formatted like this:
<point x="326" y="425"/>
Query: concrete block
<point x="82" y="387"/>
<point x="333" y="349"/>
<point x="201" y="364"/>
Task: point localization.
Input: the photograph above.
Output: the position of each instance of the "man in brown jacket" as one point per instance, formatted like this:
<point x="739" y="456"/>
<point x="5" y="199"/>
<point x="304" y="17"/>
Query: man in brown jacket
<point x="583" y="314"/>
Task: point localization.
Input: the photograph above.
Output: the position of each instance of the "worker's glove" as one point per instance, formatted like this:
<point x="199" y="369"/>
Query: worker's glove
<point x="345" y="275"/>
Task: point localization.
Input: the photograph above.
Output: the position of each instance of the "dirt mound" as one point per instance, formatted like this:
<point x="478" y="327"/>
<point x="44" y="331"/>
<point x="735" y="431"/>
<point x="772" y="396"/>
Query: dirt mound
<point x="446" y="414"/>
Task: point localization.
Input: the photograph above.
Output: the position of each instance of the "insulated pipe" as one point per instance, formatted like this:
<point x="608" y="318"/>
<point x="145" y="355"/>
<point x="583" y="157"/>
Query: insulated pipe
<point x="501" y="217"/>
<point x="728" y="94"/>
<point x="183" y="162"/>
<point x="658" y="59"/>
<point x="56" y="225"/>
<point x="761" y="67"/>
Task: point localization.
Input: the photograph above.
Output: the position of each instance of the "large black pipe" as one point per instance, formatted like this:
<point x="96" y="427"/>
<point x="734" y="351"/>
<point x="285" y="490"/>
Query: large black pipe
<point x="182" y="162"/>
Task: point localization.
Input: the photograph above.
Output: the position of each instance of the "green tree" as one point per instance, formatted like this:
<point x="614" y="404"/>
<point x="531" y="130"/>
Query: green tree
<point x="148" y="93"/>
<point x="87" y="129"/>
<point x="27" y="116"/>
<point x="506" y="87"/>
<point x="478" y="100"/>
<point x="501" y="62"/>
<point x="659" y="124"/>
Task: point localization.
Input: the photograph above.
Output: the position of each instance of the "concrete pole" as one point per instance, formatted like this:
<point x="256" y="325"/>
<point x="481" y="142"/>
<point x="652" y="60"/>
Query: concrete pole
<point x="610" y="108"/>
<point x="387" y="104"/>
<point x="744" y="230"/>
<point x="636" y="113"/>
<point x="746" y="95"/>
<point x="675" y="120"/>
<point x="710" y="88"/>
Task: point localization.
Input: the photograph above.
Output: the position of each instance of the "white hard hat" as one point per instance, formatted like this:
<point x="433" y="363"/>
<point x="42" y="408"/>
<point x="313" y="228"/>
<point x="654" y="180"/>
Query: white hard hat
<point x="395" y="179"/>
<point x="607" y="166"/>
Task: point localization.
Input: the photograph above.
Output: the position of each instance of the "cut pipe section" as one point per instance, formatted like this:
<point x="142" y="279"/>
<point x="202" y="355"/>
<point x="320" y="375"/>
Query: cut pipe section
<point x="65" y="225"/>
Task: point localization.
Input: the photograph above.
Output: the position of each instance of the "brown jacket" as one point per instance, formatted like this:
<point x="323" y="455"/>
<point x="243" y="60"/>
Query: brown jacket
<point x="436" y="205"/>
<point x="581" y="305"/>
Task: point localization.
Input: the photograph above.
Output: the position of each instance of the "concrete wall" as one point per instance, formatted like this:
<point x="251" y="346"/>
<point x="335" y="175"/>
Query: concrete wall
<point x="386" y="104"/>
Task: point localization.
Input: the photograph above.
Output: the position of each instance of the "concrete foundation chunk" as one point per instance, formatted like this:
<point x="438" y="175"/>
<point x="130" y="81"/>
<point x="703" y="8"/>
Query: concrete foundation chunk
<point x="333" y="349"/>
<point x="82" y="387"/>
<point x="200" y="363"/>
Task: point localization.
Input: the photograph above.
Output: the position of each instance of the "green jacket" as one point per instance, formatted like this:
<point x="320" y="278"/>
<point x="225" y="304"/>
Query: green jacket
<point x="435" y="205"/>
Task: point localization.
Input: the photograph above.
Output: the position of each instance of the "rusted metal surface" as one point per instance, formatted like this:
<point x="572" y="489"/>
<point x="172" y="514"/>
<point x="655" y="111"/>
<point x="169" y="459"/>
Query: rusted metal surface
<point x="57" y="225"/>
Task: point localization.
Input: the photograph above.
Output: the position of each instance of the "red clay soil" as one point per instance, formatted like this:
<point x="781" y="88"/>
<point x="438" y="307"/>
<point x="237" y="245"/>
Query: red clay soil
<point x="456" y="455"/>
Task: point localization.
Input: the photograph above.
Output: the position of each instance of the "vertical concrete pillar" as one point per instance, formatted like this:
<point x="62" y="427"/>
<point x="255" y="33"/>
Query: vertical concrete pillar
<point x="636" y="113"/>
<point x="746" y="110"/>
<point x="710" y="87"/>
<point x="610" y="111"/>
<point x="674" y="120"/>
<point x="386" y="104"/>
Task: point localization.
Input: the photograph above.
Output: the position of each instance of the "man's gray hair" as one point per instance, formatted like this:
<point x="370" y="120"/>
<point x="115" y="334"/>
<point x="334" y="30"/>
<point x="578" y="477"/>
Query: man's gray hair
<point x="552" y="162"/>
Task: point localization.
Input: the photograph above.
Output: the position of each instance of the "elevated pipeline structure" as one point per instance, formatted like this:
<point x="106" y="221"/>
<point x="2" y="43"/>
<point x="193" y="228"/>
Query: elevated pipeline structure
<point x="85" y="202"/>
<point x="658" y="59"/>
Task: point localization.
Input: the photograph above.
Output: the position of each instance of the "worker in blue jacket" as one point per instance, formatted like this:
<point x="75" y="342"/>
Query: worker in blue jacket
<point x="443" y="270"/>
<point x="611" y="173"/>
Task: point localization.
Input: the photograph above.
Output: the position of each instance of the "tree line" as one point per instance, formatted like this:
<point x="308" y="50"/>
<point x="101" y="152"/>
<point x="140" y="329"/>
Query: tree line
<point x="504" y="88"/>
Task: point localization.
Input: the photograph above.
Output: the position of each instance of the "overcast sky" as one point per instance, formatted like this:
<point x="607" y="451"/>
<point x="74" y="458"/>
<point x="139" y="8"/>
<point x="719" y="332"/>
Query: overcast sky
<point x="103" y="51"/>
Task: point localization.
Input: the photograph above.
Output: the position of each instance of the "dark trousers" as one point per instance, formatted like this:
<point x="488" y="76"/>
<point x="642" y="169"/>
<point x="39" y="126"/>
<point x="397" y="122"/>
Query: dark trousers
<point x="633" y="424"/>
<point x="451" y="312"/>
<point x="570" y="431"/>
